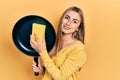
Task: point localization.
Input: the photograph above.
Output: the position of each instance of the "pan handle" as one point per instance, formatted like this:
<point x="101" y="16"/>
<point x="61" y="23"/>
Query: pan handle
<point x="36" y="60"/>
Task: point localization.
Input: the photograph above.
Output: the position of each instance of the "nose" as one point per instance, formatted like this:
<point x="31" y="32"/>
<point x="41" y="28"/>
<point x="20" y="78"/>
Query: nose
<point x="69" y="22"/>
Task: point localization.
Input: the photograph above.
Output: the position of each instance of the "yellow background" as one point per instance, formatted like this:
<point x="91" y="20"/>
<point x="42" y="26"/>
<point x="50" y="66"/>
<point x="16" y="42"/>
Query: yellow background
<point x="102" y="26"/>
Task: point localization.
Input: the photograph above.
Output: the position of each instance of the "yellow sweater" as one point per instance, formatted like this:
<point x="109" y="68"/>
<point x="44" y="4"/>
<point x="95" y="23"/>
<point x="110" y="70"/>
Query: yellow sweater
<point x="65" y="64"/>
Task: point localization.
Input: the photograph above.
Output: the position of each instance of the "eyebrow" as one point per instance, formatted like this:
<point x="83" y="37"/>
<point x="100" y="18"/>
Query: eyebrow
<point x="73" y="19"/>
<point x="76" y="20"/>
<point x="67" y="16"/>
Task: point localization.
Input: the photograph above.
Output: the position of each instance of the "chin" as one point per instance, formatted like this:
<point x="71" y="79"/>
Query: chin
<point x="66" y="32"/>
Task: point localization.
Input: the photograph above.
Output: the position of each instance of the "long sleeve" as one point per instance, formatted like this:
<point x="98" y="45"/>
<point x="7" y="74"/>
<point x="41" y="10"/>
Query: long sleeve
<point x="74" y="60"/>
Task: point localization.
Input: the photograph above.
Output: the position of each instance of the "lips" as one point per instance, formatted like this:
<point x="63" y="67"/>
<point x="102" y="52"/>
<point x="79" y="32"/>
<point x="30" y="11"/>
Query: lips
<point x="66" y="27"/>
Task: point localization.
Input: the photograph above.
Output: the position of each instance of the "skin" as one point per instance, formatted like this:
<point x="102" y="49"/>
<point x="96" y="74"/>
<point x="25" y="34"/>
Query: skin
<point x="70" y="24"/>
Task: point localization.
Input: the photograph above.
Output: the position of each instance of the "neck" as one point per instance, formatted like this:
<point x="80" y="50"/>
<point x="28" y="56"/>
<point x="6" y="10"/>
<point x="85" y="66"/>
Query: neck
<point x="67" y="39"/>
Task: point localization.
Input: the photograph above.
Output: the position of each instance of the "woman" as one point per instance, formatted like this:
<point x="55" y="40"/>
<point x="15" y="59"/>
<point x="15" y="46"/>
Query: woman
<point x="68" y="54"/>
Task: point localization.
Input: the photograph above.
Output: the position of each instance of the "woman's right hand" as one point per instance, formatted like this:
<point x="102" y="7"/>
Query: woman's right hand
<point x="38" y="68"/>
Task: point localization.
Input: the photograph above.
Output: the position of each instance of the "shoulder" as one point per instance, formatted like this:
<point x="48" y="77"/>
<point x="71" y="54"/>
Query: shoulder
<point x="77" y="45"/>
<point x="77" y="49"/>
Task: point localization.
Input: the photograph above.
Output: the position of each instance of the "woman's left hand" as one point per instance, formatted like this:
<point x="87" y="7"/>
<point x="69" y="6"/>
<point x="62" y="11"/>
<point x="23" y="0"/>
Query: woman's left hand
<point x="37" y="45"/>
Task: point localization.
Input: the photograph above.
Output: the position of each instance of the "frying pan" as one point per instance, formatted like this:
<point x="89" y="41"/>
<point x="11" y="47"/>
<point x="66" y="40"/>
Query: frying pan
<point x="22" y="31"/>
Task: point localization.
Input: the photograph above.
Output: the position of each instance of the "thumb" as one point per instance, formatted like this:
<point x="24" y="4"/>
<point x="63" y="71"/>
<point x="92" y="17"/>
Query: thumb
<point x="43" y="41"/>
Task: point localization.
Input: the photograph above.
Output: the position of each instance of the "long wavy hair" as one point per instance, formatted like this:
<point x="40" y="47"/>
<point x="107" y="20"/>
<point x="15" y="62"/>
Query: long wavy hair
<point x="79" y="35"/>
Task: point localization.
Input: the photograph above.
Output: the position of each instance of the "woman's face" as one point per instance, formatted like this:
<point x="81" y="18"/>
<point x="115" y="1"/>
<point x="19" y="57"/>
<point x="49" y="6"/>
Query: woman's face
<point x="70" y="22"/>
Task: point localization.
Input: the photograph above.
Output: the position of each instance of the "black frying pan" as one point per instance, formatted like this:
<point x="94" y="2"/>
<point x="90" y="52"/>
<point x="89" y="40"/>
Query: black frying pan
<point x="22" y="31"/>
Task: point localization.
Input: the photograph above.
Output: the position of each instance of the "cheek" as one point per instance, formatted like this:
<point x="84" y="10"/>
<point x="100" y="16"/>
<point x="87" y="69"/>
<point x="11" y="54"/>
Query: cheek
<point x="73" y="30"/>
<point x="75" y="26"/>
<point x="64" y="21"/>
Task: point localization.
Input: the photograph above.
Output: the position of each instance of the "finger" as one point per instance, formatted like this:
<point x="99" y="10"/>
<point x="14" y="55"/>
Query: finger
<point x="36" y="69"/>
<point x="36" y="37"/>
<point x="39" y="60"/>
<point x="34" y="66"/>
<point x="43" y="40"/>
<point x="31" y="37"/>
<point x="40" y="68"/>
<point x="32" y="43"/>
<point x="34" y="62"/>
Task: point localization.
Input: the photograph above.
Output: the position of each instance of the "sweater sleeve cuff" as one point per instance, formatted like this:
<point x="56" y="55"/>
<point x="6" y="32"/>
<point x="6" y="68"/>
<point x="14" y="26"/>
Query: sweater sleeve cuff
<point x="45" y="57"/>
<point x="44" y="54"/>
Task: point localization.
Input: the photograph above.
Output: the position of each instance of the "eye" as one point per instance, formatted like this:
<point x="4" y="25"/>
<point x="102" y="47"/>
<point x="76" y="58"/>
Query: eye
<point x="75" y="21"/>
<point x="67" y="17"/>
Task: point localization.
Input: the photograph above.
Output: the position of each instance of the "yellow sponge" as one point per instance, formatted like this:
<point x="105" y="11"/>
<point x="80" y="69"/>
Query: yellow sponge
<point x="38" y="29"/>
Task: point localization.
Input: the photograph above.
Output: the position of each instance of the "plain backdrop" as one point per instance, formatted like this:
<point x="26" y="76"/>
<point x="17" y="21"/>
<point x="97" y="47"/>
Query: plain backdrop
<point x="102" y="36"/>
